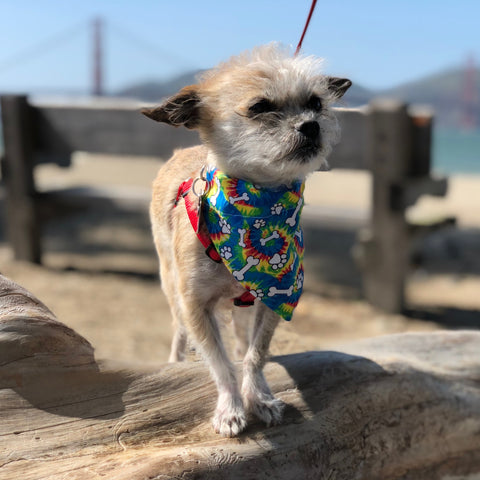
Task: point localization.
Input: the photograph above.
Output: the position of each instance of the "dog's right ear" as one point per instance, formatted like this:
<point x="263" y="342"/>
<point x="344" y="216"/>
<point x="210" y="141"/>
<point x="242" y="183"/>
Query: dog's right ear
<point x="183" y="108"/>
<point x="338" y="86"/>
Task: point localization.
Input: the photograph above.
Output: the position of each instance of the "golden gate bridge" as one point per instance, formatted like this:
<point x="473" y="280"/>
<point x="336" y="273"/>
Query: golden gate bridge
<point x="96" y="28"/>
<point x="468" y="96"/>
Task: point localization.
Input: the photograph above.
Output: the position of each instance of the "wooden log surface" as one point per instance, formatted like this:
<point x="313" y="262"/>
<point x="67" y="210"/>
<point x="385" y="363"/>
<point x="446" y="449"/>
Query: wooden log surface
<point x="402" y="406"/>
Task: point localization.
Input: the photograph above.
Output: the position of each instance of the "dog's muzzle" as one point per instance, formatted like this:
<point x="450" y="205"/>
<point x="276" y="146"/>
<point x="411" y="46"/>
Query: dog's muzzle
<point x="311" y="130"/>
<point x="310" y="140"/>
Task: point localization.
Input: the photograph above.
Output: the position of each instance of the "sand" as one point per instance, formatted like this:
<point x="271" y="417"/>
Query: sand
<point x="100" y="273"/>
<point x="341" y="192"/>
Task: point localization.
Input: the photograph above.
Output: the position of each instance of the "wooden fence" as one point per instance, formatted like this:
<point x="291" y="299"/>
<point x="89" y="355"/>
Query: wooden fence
<point x="386" y="138"/>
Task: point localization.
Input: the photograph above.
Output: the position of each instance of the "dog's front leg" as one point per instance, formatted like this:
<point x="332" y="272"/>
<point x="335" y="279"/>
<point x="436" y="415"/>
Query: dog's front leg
<point x="241" y="319"/>
<point x="179" y="344"/>
<point x="229" y="419"/>
<point x="255" y="391"/>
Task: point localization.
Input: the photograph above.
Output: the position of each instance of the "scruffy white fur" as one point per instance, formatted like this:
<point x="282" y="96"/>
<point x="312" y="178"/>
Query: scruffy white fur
<point x="243" y="150"/>
<point x="263" y="116"/>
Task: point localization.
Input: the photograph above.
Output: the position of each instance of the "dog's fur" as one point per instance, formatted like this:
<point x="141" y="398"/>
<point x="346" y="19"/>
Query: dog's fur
<point x="265" y="117"/>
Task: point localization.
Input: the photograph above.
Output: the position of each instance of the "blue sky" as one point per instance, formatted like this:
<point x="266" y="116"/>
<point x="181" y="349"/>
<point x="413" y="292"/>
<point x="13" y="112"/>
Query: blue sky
<point x="377" y="43"/>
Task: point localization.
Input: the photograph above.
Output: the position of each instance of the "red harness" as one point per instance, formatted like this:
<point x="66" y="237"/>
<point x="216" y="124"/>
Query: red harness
<point x="191" y="205"/>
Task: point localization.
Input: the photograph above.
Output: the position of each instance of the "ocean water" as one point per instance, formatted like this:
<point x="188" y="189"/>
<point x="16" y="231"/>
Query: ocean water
<point x="456" y="151"/>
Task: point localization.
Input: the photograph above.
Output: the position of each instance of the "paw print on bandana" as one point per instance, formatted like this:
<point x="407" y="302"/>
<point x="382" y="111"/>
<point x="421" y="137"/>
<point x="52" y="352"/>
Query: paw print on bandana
<point x="300" y="279"/>
<point x="225" y="226"/>
<point x="278" y="261"/>
<point x="259" y="223"/>
<point x="257" y="293"/>
<point x="277" y="209"/>
<point x="226" y="252"/>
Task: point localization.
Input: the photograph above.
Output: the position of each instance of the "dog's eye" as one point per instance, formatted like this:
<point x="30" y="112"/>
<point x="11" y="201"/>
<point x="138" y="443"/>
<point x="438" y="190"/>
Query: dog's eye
<point x="315" y="103"/>
<point x="262" y="106"/>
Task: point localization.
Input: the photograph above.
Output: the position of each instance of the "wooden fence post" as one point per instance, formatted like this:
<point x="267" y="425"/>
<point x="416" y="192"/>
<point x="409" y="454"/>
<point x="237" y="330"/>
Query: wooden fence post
<point x="23" y="226"/>
<point x="385" y="252"/>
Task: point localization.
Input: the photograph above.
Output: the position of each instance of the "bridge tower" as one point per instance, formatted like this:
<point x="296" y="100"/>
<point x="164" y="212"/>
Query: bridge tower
<point x="469" y="118"/>
<point x="97" y="30"/>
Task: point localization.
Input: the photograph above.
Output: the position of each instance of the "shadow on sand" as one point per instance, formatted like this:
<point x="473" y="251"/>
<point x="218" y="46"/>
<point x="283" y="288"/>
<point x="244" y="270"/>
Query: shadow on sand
<point x="114" y="233"/>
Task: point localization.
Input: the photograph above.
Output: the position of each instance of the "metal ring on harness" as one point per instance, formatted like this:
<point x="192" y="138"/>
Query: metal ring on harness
<point x="197" y="194"/>
<point x="202" y="173"/>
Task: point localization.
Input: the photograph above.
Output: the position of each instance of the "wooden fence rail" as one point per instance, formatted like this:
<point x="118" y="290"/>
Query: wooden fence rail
<point x="385" y="138"/>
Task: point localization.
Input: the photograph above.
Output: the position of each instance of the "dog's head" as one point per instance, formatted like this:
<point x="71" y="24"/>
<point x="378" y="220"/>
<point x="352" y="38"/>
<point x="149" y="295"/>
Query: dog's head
<point x="264" y="115"/>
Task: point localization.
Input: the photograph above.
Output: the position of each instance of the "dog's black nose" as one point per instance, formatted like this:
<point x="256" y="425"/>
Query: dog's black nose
<point x="310" y="129"/>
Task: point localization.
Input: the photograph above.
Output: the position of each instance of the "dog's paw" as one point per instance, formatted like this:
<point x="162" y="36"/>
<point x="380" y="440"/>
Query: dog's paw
<point x="229" y="420"/>
<point x="267" y="408"/>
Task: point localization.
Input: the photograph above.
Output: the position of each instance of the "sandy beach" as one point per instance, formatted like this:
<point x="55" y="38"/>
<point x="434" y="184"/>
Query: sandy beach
<point x="100" y="269"/>
<point x="341" y="191"/>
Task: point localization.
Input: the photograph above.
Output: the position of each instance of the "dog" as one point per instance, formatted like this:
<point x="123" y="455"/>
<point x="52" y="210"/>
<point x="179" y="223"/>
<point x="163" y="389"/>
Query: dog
<point x="266" y="123"/>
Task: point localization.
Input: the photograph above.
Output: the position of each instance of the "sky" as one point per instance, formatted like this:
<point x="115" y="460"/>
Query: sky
<point x="47" y="44"/>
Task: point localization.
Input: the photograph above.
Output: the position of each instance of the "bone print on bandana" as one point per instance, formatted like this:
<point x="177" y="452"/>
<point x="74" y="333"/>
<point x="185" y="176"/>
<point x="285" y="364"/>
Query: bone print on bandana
<point x="257" y="232"/>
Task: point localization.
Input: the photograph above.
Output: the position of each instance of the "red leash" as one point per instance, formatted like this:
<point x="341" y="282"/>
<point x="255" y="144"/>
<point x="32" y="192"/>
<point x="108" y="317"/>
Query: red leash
<point x="299" y="46"/>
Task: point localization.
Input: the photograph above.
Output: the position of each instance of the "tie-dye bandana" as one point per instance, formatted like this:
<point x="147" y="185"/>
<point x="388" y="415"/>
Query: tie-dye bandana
<point x="257" y="233"/>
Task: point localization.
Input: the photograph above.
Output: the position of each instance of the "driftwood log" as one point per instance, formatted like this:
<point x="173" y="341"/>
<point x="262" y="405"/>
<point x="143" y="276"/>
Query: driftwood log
<point x="402" y="406"/>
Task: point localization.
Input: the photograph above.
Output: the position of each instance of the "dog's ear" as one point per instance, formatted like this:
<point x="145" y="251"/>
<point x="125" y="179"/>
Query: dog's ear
<point x="183" y="108"/>
<point x="338" y="86"/>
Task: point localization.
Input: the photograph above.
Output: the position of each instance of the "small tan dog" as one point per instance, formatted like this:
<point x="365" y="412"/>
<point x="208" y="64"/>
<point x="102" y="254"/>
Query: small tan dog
<point x="263" y="117"/>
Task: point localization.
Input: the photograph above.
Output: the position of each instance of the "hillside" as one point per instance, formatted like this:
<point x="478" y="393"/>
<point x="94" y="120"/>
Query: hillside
<point x="443" y="91"/>
<point x="153" y="90"/>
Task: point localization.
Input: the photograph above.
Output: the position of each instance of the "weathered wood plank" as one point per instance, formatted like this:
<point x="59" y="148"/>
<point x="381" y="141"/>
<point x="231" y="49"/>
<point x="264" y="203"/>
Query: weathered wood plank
<point x="405" y="406"/>
<point x="352" y="151"/>
<point x="119" y="130"/>
<point x="422" y="130"/>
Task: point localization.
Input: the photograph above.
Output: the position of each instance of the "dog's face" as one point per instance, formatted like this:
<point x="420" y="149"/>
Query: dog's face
<point x="264" y="115"/>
